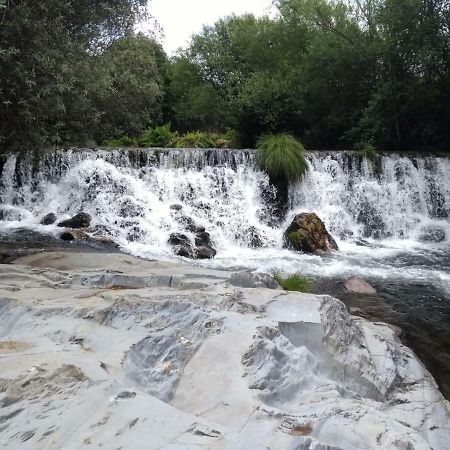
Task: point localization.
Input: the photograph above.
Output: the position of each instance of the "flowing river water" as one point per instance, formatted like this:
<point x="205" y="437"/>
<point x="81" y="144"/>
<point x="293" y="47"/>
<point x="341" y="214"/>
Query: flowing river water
<point x="389" y="216"/>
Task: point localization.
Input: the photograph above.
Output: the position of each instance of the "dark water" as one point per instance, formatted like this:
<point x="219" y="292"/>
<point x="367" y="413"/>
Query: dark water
<point x="420" y="309"/>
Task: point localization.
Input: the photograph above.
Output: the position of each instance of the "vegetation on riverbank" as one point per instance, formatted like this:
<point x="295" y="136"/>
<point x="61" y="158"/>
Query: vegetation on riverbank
<point x="163" y="137"/>
<point x="294" y="282"/>
<point x="371" y="74"/>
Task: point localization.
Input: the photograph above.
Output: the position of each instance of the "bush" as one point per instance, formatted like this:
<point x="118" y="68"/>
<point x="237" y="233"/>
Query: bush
<point x="122" y="141"/>
<point x="294" y="282"/>
<point x="157" y="137"/>
<point x="282" y="156"/>
<point x="204" y="139"/>
<point x="162" y="136"/>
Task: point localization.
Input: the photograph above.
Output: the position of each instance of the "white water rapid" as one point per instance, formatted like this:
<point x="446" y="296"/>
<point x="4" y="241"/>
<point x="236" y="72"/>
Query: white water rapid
<point x="378" y="211"/>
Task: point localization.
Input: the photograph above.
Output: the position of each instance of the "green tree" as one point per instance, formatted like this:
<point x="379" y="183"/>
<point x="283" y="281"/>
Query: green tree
<point x="44" y="51"/>
<point x="194" y="103"/>
<point x="127" y="86"/>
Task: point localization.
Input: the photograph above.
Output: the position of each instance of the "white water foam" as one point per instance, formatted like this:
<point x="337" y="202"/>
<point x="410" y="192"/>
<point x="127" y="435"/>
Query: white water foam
<point x="376" y="211"/>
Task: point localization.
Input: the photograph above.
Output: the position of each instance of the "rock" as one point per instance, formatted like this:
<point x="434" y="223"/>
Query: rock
<point x="80" y="220"/>
<point x="176" y="207"/>
<point x="202" y="249"/>
<point x="432" y="233"/>
<point x="357" y="285"/>
<point x="205" y="252"/>
<point x="307" y="233"/>
<point x="202" y="238"/>
<point x="182" y="245"/>
<point x="67" y="236"/>
<point x="247" y="279"/>
<point x="49" y="219"/>
<point x="81" y="235"/>
<point x="253" y="237"/>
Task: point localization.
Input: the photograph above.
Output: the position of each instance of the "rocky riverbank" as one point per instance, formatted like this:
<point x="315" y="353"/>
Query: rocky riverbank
<point x="109" y="350"/>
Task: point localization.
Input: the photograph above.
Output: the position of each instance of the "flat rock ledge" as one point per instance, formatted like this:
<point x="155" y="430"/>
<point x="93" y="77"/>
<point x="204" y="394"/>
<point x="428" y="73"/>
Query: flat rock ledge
<point x="158" y="355"/>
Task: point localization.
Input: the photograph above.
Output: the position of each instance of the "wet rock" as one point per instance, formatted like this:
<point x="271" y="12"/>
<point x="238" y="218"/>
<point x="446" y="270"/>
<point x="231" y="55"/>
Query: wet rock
<point x="80" y="220"/>
<point x="247" y="279"/>
<point x="432" y="233"/>
<point x="205" y="252"/>
<point x="357" y="285"/>
<point x="181" y="244"/>
<point x="254" y="237"/>
<point x="67" y="236"/>
<point x="202" y="238"/>
<point x="80" y="235"/>
<point x="307" y="233"/>
<point x="201" y="249"/>
<point x="49" y="219"/>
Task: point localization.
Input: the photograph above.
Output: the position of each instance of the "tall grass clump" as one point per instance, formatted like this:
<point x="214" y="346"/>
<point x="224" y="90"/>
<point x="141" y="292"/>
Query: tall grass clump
<point x="282" y="157"/>
<point x="294" y="282"/>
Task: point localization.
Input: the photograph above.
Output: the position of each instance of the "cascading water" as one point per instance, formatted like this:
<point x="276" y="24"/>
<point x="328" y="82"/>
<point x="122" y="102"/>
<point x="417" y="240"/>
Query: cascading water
<point x="395" y="197"/>
<point x="139" y="197"/>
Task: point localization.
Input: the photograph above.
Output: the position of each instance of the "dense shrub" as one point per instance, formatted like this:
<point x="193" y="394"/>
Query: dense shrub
<point x="157" y="137"/>
<point x="122" y="141"/>
<point x="162" y="136"/>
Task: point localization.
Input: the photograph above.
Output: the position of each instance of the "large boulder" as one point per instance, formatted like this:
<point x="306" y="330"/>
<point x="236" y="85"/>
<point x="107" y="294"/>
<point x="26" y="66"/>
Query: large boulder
<point x="307" y="233"/>
<point x="80" y="220"/>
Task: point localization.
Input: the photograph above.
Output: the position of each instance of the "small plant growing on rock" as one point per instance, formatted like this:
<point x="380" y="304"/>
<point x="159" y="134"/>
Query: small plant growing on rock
<point x="294" y="282"/>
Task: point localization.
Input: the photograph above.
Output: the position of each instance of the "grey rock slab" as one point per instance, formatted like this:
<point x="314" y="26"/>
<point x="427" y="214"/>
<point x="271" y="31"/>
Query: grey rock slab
<point x="102" y="350"/>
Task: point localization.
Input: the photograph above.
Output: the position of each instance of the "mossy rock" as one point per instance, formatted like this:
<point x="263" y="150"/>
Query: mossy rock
<point x="308" y="234"/>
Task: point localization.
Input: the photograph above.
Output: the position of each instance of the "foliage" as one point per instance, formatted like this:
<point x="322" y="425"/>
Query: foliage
<point x="157" y="137"/>
<point x="294" y="282"/>
<point x="126" y="86"/>
<point x="194" y="104"/>
<point x="162" y="136"/>
<point x="333" y="73"/>
<point x="282" y="156"/>
<point x="199" y="139"/>
<point x="45" y="48"/>
<point x="122" y="141"/>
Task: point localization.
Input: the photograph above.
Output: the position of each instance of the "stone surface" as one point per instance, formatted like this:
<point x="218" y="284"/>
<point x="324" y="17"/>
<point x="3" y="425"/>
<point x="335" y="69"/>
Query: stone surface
<point x="307" y="233"/>
<point x="80" y="220"/>
<point x="107" y="350"/>
<point x="359" y="286"/>
<point x="48" y="219"/>
<point x="201" y="248"/>
<point x="432" y="233"/>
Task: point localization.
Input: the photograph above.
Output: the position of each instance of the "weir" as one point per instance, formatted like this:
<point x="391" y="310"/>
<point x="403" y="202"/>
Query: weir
<point x="133" y="193"/>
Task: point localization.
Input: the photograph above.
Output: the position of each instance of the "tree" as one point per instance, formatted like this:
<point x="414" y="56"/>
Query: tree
<point x="44" y="51"/>
<point x="194" y="103"/>
<point x="127" y="86"/>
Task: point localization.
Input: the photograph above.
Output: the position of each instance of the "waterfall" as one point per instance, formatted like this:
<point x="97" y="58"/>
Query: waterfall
<point x="398" y="197"/>
<point x="138" y="197"/>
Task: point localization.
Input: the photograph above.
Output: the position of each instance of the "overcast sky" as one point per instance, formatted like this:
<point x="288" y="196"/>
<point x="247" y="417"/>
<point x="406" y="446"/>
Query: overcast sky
<point x="181" y="18"/>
